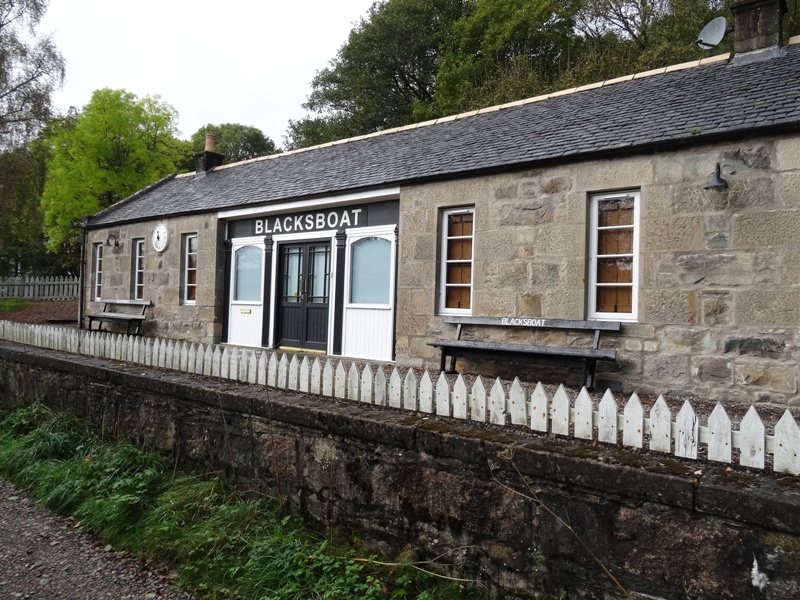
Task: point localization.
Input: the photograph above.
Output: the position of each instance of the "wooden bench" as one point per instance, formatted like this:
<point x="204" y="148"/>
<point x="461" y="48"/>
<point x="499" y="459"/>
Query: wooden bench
<point x="555" y="355"/>
<point x="132" y="314"/>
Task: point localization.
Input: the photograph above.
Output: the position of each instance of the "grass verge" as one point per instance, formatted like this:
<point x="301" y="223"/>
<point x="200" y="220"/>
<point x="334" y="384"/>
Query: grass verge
<point x="220" y="543"/>
<point x="13" y="304"/>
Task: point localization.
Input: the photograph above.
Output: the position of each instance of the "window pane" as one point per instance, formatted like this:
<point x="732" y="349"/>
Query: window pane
<point x="247" y="274"/>
<point x="191" y="293"/>
<point x="192" y="261"/>
<point x="615" y="270"/>
<point x="370" y="272"/>
<point x="191" y="277"/>
<point x="614" y="299"/>
<point x="615" y="241"/>
<point x="614" y="212"/>
<point x="457" y="297"/>
<point x="459" y="273"/>
<point x="459" y="249"/>
<point x="192" y="244"/>
<point x="459" y="225"/>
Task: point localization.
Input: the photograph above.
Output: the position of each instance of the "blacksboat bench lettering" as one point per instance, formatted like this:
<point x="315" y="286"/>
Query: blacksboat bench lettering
<point x="550" y="354"/>
<point x="120" y="310"/>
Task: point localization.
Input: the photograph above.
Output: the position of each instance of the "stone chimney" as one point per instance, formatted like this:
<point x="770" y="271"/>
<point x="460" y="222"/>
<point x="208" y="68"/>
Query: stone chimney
<point x="757" y="24"/>
<point x="209" y="158"/>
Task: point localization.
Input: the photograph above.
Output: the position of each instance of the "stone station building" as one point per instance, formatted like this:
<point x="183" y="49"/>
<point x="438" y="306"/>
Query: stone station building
<point x="591" y="204"/>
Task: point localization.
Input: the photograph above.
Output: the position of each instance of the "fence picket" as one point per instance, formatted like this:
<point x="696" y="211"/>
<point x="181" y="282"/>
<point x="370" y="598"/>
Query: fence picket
<point x="660" y="426"/>
<point x="559" y="421"/>
<point x="517" y="403"/>
<point x="497" y="403"/>
<point x="607" y="419"/>
<point x="539" y="411"/>
<point x="283" y="372"/>
<point x="304" y="384"/>
<point x="340" y="381"/>
<point x="367" y="384"/>
<point x="395" y="389"/>
<point x="261" y="379"/>
<point x="426" y="393"/>
<point x="410" y="390"/>
<point x="316" y="376"/>
<point x="719" y="435"/>
<point x="352" y="382"/>
<point x="751" y="440"/>
<point x="380" y="386"/>
<point x="787" y="445"/>
<point x="442" y="395"/>
<point x="478" y="401"/>
<point x="460" y="398"/>
<point x="687" y="430"/>
<point x="583" y="426"/>
<point x="633" y="428"/>
<point x="293" y="382"/>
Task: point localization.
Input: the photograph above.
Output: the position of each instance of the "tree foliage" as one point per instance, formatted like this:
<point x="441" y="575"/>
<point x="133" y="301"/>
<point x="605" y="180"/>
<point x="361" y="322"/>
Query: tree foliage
<point x="237" y="142"/>
<point x="30" y="69"/>
<point x="116" y="145"/>
<point x="385" y="70"/>
<point x="409" y="60"/>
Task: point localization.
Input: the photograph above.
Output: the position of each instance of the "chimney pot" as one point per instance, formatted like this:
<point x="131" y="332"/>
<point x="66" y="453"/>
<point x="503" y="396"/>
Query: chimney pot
<point x="211" y="142"/>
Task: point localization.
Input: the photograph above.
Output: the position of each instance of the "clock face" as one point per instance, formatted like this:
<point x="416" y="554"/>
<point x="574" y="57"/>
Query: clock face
<point x="160" y="238"/>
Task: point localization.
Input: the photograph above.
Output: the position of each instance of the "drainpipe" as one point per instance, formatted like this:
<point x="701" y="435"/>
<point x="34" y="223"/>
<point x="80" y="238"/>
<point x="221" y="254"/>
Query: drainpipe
<point x="81" y="281"/>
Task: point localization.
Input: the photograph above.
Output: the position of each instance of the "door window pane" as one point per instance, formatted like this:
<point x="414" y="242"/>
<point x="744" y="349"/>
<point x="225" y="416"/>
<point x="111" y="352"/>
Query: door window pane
<point x="319" y="273"/>
<point x="247" y="274"/>
<point x="370" y="271"/>
<point x="292" y="274"/>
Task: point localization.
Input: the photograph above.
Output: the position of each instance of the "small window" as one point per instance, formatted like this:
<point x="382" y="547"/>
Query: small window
<point x="613" y="272"/>
<point x="370" y="271"/>
<point x="190" y="269"/>
<point x="138" y="269"/>
<point x="98" y="271"/>
<point x="456" y="265"/>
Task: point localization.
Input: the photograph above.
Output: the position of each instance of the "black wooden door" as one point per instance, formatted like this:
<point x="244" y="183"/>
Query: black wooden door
<point x="304" y="295"/>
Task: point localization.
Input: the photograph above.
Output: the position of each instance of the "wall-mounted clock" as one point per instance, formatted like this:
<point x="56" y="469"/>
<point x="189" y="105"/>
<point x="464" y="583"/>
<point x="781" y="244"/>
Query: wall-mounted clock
<point x="160" y="238"/>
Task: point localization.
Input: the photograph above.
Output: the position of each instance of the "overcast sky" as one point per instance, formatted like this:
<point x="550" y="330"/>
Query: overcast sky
<point x="228" y="61"/>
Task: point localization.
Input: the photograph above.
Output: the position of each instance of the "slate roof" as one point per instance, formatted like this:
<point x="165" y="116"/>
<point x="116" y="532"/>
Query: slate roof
<point x="688" y="105"/>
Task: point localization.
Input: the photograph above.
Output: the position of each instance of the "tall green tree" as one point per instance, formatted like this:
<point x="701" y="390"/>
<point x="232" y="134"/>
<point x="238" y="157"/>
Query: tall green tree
<point x="30" y="69"/>
<point x="383" y="76"/>
<point x="116" y="145"/>
<point x="237" y="142"/>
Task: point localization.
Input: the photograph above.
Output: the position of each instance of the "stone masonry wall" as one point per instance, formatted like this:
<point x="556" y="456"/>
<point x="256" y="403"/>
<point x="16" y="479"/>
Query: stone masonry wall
<point x="168" y="316"/>
<point x="479" y="498"/>
<point x="719" y="286"/>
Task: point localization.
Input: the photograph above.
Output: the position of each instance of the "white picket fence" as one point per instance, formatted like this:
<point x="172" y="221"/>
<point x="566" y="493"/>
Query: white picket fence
<point x="557" y="415"/>
<point x="40" y="288"/>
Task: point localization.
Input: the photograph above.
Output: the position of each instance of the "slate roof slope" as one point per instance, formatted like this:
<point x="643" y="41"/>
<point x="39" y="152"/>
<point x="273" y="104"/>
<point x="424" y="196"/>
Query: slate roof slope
<point x="697" y="104"/>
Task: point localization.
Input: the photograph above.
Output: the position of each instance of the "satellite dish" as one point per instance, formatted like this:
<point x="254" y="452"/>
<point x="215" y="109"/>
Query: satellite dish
<point x="712" y="34"/>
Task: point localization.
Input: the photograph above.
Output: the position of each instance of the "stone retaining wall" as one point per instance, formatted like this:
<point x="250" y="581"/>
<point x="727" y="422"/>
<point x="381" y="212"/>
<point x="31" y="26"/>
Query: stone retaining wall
<point x="479" y="496"/>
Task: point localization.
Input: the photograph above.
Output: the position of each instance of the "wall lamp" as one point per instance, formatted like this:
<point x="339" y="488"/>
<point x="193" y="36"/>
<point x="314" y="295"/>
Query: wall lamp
<point x="111" y="241"/>
<point x="717" y="182"/>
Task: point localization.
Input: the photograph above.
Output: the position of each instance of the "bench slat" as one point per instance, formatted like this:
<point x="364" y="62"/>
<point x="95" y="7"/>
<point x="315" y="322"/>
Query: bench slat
<point x="116" y="316"/>
<point x="124" y="301"/>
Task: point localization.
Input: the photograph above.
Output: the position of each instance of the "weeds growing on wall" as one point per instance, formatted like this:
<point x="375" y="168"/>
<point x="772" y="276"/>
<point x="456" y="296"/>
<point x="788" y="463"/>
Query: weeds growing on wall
<point x="220" y="543"/>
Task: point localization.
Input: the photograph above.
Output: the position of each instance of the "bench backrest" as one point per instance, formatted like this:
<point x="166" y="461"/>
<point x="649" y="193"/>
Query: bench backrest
<point x="535" y="323"/>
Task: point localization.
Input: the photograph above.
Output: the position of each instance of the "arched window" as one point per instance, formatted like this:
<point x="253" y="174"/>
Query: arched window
<point x="247" y="274"/>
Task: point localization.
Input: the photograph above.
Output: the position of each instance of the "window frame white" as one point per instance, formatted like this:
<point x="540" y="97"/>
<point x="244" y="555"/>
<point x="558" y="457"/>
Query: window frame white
<point x="186" y="268"/>
<point x="385" y="232"/>
<point x="443" y="261"/>
<point x="98" y="271"/>
<point x="138" y="269"/>
<point x="594" y="256"/>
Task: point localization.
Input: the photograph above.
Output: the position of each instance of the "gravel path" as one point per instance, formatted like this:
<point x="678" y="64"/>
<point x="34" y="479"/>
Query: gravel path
<point x="45" y="556"/>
